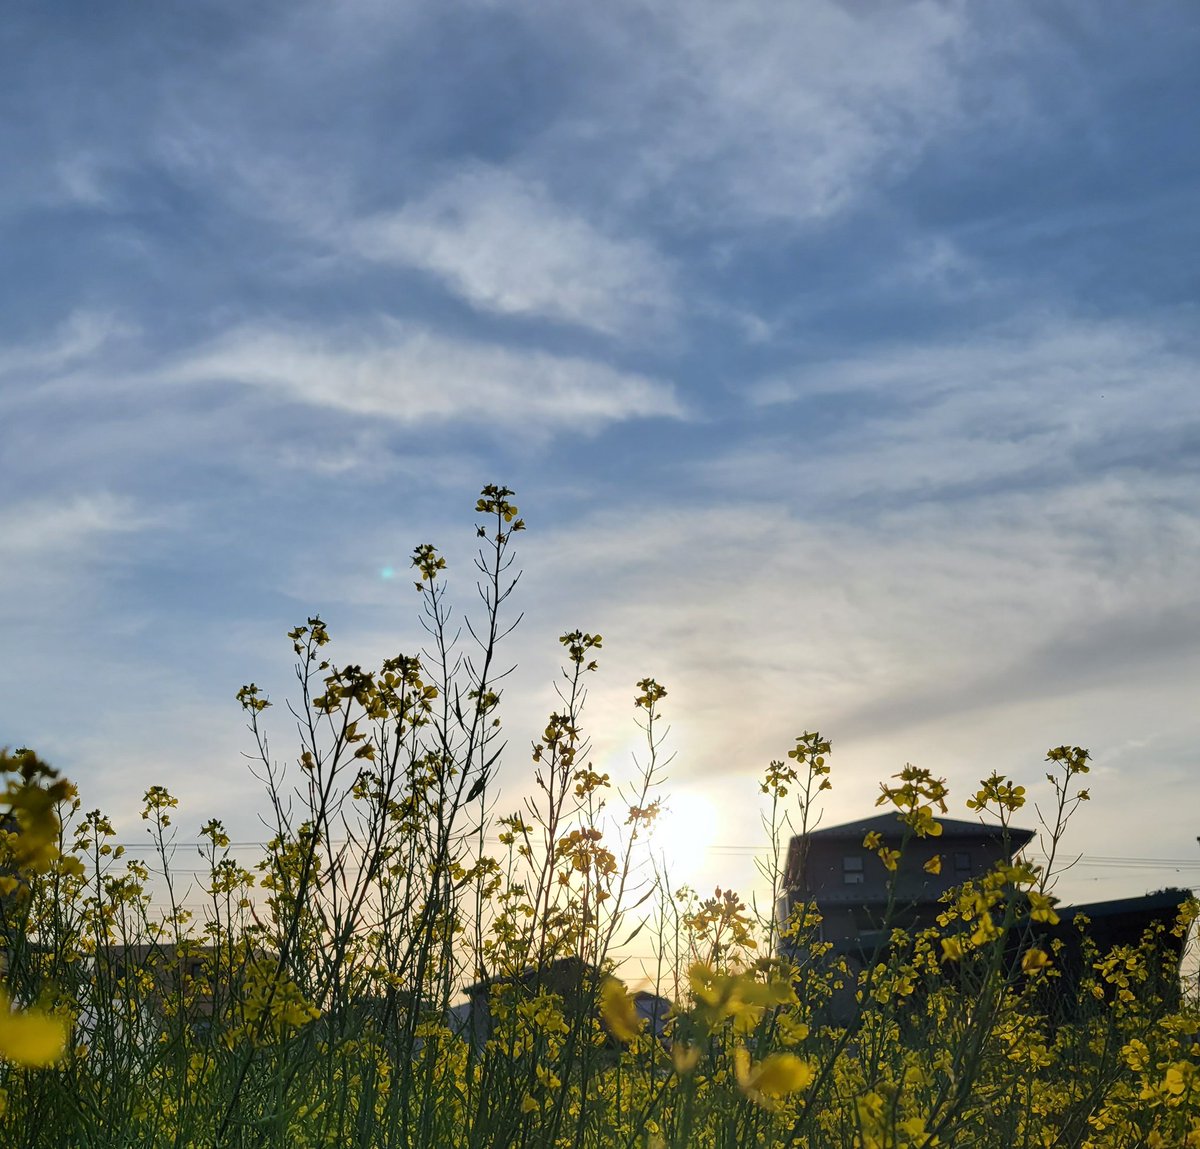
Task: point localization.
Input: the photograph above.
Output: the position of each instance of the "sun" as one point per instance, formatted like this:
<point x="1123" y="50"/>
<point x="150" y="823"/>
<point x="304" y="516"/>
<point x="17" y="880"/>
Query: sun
<point x="683" y="834"/>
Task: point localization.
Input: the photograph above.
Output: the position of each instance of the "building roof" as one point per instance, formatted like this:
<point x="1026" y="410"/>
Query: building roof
<point x="1169" y="900"/>
<point x="891" y="828"/>
<point x="569" y="969"/>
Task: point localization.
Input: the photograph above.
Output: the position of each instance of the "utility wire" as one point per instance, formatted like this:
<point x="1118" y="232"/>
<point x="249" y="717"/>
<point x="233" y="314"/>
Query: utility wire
<point x="1111" y="861"/>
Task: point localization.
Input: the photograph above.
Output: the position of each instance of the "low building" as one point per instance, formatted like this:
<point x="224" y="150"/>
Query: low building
<point x="831" y="870"/>
<point x="851" y="887"/>
<point x="572" y="981"/>
<point x="1119" y="922"/>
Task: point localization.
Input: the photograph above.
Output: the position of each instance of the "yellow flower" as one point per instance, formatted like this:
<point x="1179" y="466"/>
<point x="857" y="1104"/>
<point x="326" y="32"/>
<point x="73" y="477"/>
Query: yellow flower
<point x="791" y="1030"/>
<point x="1136" y="1055"/>
<point x="30" y="1038"/>
<point x="934" y="865"/>
<point x="914" y="1128"/>
<point x="528" y="1105"/>
<point x="952" y="949"/>
<point x="1034" y="960"/>
<point x="873" y="840"/>
<point x="1041" y="908"/>
<point x="777" y="1075"/>
<point x="890" y="858"/>
<point x="922" y="821"/>
<point x="1179" y="1078"/>
<point x="618" y="1010"/>
<point x="735" y="995"/>
<point x="685" y="1057"/>
<point x="986" y="931"/>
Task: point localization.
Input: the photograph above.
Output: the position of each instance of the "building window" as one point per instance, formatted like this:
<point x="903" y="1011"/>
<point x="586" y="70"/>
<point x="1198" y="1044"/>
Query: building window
<point x="852" y="870"/>
<point x="962" y="864"/>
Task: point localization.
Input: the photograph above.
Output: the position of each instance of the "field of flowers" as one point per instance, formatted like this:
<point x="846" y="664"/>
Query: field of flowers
<point x="311" y="1003"/>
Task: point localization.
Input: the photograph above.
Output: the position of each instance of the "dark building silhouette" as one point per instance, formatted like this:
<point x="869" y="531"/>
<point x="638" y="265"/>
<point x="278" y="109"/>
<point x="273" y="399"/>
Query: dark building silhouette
<point x="848" y="884"/>
<point x="573" y="981"/>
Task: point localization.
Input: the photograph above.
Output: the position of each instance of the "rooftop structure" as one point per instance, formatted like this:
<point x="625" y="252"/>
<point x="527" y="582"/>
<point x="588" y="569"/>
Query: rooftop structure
<point x="860" y="900"/>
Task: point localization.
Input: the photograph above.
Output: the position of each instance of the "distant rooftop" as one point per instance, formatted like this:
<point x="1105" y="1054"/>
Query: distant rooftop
<point x="1170" y="899"/>
<point x="890" y="827"/>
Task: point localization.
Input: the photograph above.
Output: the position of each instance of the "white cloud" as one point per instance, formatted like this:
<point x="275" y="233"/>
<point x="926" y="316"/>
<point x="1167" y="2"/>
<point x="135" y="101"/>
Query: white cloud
<point x="37" y="528"/>
<point x="762" y="113"/>
<point x="78" y="338"/>
<point x="505" y="245"/>
<point x="412" y="376"/>
<point x="1023" y="405"/>
<point x="1044" y="354"/>
<point x="83" y="180"/>
<point x="54" y="546"/>
<point x="938" y="266"/>
<point x="221" y="156"/>
<point x="769" y="111"/>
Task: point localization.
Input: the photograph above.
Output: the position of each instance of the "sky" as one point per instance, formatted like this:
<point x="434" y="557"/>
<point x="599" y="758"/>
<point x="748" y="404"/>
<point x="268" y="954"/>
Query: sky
<point x="843" y="357"/>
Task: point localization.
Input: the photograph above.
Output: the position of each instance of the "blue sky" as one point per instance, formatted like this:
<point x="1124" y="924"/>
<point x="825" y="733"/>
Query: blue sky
<point x="843" y="357"/>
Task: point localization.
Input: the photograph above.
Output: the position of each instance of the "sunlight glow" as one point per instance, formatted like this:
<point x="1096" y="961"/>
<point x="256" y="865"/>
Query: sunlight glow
<point x="684" y="833"/>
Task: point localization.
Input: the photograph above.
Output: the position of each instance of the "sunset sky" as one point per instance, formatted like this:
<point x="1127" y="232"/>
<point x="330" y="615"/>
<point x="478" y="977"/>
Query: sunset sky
<point x="844" y="358"/>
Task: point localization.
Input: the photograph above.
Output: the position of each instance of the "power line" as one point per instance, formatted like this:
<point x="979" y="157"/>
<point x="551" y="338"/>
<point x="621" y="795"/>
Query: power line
<point x="1111" y="861"/>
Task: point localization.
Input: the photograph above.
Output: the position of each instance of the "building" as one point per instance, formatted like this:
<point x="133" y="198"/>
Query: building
<point x="573" y="981"/>
<point x="1119" y="922"/>
<point x="850" y="887"/>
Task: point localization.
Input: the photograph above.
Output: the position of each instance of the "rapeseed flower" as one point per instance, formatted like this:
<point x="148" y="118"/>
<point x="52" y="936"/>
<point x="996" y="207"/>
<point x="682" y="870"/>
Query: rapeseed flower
<point x="1034" y="960"/>
<point x="773" y="1078"/>
<point x="31" y="1037"/>
<point x="618" y="1011"/>
<point x="952" y="949"/>
<point x="685" y="1057"/>
<point x="1041" y="908"/>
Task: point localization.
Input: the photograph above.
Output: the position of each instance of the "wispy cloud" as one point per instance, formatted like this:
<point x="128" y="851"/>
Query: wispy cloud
<point x="411" y="375"/>
<point x="767" y="114"/>
<point x="505" y="245"/>
<point x="1030" y="404"/>
<point x="79" y="338"/>
<point x="39" y="528"/>
<point x="84" y="181"/>
<point x="56" y="550"/>
<point x="771" y="112"/>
